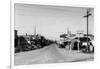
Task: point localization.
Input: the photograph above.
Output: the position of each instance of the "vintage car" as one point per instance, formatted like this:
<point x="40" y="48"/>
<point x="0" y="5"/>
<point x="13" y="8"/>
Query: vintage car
<point x="64" y="43"/>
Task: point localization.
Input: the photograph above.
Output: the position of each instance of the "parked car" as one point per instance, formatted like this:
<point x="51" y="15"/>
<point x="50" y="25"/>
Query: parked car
<point x="63" y="43"/>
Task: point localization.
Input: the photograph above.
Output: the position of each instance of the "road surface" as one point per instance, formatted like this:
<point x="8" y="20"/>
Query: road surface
<point x="50" y="54"/>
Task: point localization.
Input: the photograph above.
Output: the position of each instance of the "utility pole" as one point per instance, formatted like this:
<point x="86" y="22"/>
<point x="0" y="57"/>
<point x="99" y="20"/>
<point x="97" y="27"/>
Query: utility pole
<point x="87" y="17"/>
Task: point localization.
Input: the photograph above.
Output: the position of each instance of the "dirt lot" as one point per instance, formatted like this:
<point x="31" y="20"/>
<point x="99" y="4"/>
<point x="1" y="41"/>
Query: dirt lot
<point x="50" y="54"/>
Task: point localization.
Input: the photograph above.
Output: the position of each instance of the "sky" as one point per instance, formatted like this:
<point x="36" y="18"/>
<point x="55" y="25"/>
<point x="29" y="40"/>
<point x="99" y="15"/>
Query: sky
<point x="51" y="21"/>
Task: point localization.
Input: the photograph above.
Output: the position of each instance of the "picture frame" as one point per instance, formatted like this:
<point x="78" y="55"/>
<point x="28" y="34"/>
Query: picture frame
<point x="12" y="25"/>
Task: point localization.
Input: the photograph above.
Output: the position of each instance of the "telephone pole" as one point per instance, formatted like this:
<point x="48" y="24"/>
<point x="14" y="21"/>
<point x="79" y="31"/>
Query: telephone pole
<point x="87" y="17"/>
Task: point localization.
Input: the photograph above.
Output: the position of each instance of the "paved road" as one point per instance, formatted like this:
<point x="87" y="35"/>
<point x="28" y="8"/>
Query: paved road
<point x="50" y="54"/>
